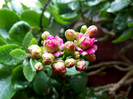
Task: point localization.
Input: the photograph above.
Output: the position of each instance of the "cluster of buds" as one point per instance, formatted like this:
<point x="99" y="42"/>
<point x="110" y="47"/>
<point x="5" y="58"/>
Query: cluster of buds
<point x="78" y="49"/>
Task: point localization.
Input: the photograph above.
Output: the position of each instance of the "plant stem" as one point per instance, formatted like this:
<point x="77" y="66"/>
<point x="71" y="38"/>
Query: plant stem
<point x="41" y="17"/>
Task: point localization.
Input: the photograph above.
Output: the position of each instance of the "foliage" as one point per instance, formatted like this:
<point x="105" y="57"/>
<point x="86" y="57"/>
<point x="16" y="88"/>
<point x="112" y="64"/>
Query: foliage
<point x="20" y="28"/>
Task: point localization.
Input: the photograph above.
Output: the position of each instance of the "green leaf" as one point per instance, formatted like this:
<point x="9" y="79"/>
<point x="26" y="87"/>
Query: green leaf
<point x="29" y="70"/>
<point x="40" y="83"/>
<point x="17" y="7"/>
<point x="100" y="7"/>
<point x="6" y="91"/>
<point x="33" y="18"/>
<point x="18" y="80"/>
<point x="33" y="42"/>
<point x="4" y="71"/>
<point x="120" y="22"/>
<point x="69" y="16"/>
<point x="79" y="82"/>
<point x="93" y="2"/>
<point x="118" y="5"/>
<point x="125" y="36"/>
<point x="18" y="31"/>
<point x="7" y="19"/>
<point x="5" y="56"/>
<point x="72" y="71"/>
<point x="56" y="16"/>
<point x="18" y="54"/>
<point x="27" y="39"/>
<point x="2" y="41"/>
<point x="54" y="28"/>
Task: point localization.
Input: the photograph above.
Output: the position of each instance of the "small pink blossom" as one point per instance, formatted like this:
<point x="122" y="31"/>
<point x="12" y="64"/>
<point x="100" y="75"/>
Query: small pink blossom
<point x="53" y="45"/>
<point x="85" y="44"/>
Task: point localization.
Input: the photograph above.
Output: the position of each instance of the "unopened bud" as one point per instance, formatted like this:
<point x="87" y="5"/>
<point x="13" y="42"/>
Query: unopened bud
<point x="59" y="67"/>
<point x="35" y="51"/>
<point x="76" y="54"/>
<point x="91" y="57"/>
<point x="92" y="30"/>
<point x="39" y="66"/>
<point x="30" y="48"/>
<point x="70" y="35"/>
<point x="81" y="65"/>
<point x="83" y="29"/>
<point x="70" y="62"/>
<point x="69" y="47"/>
<point x="45" y="34"/>
<point x="48" y="58"/>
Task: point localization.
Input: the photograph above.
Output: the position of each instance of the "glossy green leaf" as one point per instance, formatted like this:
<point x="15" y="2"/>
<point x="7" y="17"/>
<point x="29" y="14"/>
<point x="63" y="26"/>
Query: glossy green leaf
<point x="100" y="7"/>
<point x="54" y="28"/>
<point x="124" y="36"/>
<point x="29" y="70"/>
<point x="72" y="71"/>
<point x="120" y="22"/>
<point x="27" y="39"/>
<point x="18" y="54"/>
<point x="7" y="19"/>
<point x="18" y="80"/>
<point x="4" y="71"/>
<point x="2" y="41"/>
<point x="17" y="7"/>
<point x="56" y="16"/>
<point x="33" y="42"/>
<point x="5" y="56"/>
<point x="118" y="5"/>
<point x="79" y="82"/>
<point x="6" y="90"/>
<point x="41" y="83"/>
<point x="69" y="16"/>
<point x="63" y="6"/>
<point x="33" y="18"/>
<point x="93" y="2"/>
<point x="18" y="31"/>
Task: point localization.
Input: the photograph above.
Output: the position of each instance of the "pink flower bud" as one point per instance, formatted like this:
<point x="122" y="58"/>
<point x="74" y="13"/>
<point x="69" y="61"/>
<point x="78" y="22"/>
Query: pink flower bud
<point x="70" y="62"/>
<point x="87" y="43"/>
<point x="48" y="58"/>
<point x="83" y="29"/>
<point x="69" y="47"/>
<point x="70" y="35"/>
<point x="39" y="66"/>
<point x="58" y="67"/>
<point x="76" y="54"/>
<point x="45" y="34"/>
<point x="81" y="65"/>
<point x="30" y="48"/>
<point x="35" y="51"/>
<point x="91" y="57"/>
<point x="92" y="30"/>
<point x="53" y="44"/>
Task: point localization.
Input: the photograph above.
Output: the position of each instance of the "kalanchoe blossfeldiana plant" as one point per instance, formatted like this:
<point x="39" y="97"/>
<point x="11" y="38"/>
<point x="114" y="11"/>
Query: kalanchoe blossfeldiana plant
<point x="73" y="54"/>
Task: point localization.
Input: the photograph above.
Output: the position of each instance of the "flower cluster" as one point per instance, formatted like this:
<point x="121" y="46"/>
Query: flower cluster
<point x="78" y="49"/>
